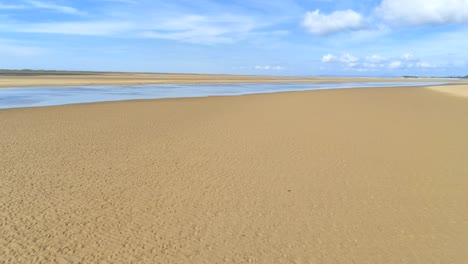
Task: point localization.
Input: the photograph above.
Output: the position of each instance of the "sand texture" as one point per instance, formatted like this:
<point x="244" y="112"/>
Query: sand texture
<point x="460" y="90"/>
<point x="147" y="78"/>
<point x="337" y="176"/>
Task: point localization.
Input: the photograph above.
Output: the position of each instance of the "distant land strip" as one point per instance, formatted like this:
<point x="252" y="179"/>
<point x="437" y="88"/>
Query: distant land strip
<point x="32" y="78"/>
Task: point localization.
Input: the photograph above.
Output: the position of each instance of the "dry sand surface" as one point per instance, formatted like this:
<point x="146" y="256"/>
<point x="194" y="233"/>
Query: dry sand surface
<point x="141" y="78"/>
<point x="338" y="176"/>
<point x="456" y="90"/>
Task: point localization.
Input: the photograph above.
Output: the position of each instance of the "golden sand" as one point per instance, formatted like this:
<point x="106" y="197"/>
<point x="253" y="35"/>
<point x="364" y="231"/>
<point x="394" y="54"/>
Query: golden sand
<point x="142" y="78"/>
<point x="456" y="90"/>
<point x="337" y="176"/>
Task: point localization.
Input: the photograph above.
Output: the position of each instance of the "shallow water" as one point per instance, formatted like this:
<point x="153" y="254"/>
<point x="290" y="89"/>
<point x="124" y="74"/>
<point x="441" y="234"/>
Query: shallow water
<point x="48" y="96"/>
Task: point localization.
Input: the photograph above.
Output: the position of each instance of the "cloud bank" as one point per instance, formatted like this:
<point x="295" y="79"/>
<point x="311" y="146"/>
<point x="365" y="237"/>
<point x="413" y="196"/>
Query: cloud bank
<point x="391" y="12"/>
<point x="423" y="12"/>
<point x="375" y="62"/>
<point x="269" y="67"/>
<point x="35" y="4"/>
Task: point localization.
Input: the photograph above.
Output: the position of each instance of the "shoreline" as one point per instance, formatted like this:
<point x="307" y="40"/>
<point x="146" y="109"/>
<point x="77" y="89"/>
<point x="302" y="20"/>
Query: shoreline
<point x="439" y="87"/>
<point x="148" y="79"/>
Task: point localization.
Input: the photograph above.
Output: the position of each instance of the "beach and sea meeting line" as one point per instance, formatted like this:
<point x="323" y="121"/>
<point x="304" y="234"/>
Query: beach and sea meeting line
<point x="49" y="96"/>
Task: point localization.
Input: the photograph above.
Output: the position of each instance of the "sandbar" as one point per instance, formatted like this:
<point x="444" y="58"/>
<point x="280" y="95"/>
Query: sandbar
<point x="332" y="176"/>
<point x="67" y="79"/>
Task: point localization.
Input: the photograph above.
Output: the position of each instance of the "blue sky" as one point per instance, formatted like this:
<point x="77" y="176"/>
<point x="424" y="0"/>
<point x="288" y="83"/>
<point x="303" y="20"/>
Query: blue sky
<point x="287" y="37"/>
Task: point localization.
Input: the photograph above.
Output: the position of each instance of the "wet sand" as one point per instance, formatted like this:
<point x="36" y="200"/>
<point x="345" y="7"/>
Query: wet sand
<point x="333" y="176"/>
<point x="148" y="78"/>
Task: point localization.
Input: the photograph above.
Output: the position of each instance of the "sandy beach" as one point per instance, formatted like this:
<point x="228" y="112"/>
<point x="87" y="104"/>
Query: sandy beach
<point x="460" y="90"/>
<point x="148" y="78"/>
<point x="333" y="176"/>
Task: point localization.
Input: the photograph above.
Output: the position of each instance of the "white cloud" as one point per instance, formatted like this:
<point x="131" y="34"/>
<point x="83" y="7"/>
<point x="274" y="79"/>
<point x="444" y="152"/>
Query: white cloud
<point x="338" y="21"/>
<point x="202" y="29"/>
<point x="423" y="64"/>
<point x="54" y="7"/>
<point x="191" y="28"/>
<point x="329" y="58"/>
<point x="407" y="56"/>
<point x="210" y="23"/>
<point x="96" y="28"/>
<point x="375" y="62"/>
<point x="345" y="59"/>
<point x="348" y="58"/>
<point x="375" y="59"/>
<point x="422" y="12"/>
<point x="34" y="4"/>
<point x="395" y="64"/>
<point x="408" y="65"/>
<point x="269" y="67"/>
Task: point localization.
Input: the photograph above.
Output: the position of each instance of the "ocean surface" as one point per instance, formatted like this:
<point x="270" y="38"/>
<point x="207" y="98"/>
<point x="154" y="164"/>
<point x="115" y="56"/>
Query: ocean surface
<point x="48" y="96"/>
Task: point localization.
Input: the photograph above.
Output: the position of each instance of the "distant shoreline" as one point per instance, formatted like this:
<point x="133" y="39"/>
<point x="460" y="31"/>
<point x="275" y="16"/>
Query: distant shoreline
<point x="63" y="78"/>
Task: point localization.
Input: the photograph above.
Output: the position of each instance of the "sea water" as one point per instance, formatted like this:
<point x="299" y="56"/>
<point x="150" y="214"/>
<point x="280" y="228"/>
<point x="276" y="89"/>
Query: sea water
<point x="47" y="96"/>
